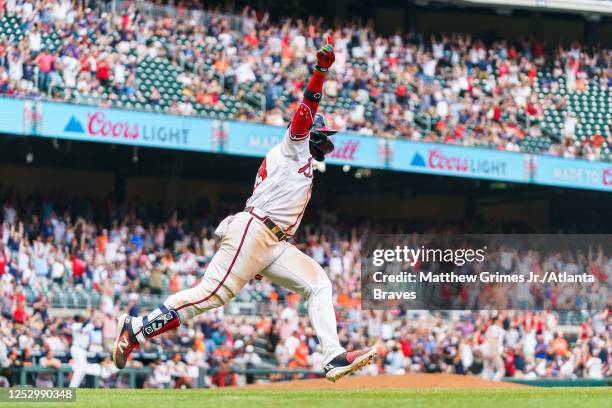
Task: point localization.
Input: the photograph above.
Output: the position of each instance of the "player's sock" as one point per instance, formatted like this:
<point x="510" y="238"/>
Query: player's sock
<point x="155" y="323"/>
<point x="137" y="327"/>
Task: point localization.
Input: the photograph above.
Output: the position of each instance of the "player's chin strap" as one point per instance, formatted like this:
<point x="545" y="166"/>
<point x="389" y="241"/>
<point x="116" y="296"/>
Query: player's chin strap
<point x="167" y="319"/>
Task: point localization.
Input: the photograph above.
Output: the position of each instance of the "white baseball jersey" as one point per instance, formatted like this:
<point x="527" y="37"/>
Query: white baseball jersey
<point x="284" y="183"/>
<point x="282" y="190"/>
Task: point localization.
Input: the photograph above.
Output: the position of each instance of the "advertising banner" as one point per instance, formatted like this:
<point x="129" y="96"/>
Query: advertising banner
<point x="555" y="171"/>
<point x="88" y="123"/>
<point x="250" y="139"/>
<point x="85" y="123"/>
<point x="11" y="116"/>
<point x="457" y="161"/>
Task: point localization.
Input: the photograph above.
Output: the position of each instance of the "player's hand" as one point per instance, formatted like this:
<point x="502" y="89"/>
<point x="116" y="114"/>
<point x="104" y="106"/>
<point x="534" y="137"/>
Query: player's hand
<point x="325" y="56"/>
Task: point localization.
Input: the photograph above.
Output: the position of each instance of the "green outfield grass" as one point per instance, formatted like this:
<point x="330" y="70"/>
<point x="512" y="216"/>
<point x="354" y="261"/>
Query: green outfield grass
<point x="261" y="398"/>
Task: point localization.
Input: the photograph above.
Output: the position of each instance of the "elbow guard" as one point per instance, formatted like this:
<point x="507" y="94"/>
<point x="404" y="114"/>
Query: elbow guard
<point x="301" y="123"/>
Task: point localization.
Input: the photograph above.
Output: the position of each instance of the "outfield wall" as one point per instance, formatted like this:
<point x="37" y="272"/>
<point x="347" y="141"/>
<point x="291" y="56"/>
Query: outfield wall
<point x="144" y="129"/>
<point x="137" y="375"/>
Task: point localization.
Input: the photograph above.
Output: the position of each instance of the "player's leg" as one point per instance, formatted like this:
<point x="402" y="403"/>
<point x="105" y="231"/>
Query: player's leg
<point x="79" y="361"/>
<point x="487" y="370"/>
<point x="244" y="251"/>
<point x="300" y="273"/>
<point x="500" y="370"/>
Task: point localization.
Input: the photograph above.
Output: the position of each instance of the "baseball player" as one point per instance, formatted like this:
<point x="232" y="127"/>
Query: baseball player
<point x="253" y="242"/>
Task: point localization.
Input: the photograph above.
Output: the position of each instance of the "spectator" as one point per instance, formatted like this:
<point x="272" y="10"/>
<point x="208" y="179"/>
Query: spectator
<point x="47" y="379"/>
<point x="45" y="62"/>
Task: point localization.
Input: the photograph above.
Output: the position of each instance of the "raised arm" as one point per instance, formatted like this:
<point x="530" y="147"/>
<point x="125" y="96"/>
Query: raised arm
<point x="304" y="116"/>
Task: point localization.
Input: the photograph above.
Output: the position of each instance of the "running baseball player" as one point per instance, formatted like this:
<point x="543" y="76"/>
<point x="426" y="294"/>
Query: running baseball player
<point x="254" y="242"/>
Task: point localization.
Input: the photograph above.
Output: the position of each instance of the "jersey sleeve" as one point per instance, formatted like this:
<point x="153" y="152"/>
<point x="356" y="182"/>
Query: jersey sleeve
<point x="295" y="148"/>
<point x="296" y="141"/>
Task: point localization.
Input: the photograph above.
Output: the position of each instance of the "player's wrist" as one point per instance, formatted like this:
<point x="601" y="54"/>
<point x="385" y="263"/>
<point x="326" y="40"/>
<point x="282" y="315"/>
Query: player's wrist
<point x="320" y="71"/>
<point x="313" y="95"/>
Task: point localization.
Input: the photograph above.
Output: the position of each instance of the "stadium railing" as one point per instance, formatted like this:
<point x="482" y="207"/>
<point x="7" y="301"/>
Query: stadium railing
<point x="27" y="373"/>
<point x="62" y="373"/>
<point x="132" y="373"/>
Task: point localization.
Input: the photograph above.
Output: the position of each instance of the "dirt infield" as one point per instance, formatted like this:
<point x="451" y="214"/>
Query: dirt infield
<point x="390" y="381"/>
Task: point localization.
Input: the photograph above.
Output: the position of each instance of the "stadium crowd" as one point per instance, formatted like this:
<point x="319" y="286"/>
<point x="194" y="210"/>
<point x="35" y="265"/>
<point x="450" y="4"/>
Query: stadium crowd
<point x="50" y="246"/>
<point x="444" y="88"/>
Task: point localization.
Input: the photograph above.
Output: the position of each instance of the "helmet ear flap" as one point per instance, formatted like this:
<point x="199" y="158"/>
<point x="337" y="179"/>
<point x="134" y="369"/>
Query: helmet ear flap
<point x="319" y="121"/>
<point x="317" y="154"/>
<point x="328" y="146"/>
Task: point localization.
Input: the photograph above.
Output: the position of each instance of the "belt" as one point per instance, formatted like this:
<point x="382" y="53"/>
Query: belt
<point x="271" y="225"/>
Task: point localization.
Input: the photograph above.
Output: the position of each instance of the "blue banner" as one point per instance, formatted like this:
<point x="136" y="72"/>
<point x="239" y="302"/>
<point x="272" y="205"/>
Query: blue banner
<point x="12" y="113"/>
<point x="361" y="151"/>
<point x="92" y="124"/>
<point x="251" y="139"/>
<point x="456" y="161"/>
<point x="555" y="171"/>
<point x="85" y="123"/>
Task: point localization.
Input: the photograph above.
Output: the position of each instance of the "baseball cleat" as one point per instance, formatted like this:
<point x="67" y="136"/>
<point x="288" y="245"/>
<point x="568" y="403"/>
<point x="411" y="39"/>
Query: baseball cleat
<point x="347" y="363"/>
<point x="125" y="341"/>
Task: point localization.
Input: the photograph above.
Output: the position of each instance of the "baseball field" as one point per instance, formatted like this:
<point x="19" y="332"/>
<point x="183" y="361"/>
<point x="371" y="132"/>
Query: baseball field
<point x="384" y="391"/>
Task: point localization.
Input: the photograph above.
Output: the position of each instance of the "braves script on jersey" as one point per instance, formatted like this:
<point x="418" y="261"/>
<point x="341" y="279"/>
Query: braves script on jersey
<point x="284" y="183"/>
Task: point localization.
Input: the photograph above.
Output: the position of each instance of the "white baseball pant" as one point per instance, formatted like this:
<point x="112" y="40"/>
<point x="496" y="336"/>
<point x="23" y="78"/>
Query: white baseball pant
<point x="81" y="367"/>
<point x="249" y="248"/>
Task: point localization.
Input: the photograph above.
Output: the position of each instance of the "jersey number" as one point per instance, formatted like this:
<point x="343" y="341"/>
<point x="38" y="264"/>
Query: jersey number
<point x="262" y="173"/>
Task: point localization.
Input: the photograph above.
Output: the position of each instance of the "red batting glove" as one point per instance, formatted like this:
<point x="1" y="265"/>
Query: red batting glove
<point x="325" y="56"/>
